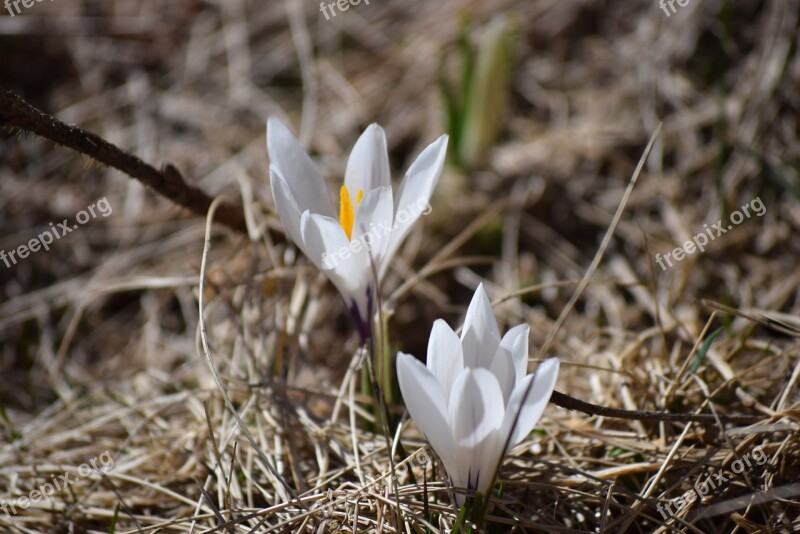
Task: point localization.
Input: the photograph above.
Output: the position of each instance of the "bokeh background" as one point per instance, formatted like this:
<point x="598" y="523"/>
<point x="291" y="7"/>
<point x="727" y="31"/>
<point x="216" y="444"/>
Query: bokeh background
<point x="549" y="104"/>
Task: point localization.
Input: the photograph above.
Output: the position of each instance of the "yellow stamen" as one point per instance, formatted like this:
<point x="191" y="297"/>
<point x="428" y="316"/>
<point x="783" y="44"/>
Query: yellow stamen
<point x="347" y="211"/>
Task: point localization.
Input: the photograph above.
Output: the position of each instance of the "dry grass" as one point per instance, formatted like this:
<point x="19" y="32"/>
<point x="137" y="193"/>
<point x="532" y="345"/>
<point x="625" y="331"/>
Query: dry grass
<point x="101" y="347"/>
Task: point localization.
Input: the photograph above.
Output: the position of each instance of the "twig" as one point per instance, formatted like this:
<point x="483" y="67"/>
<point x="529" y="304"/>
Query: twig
<point x="571" y="403"/>
<point x="168" y="182"/>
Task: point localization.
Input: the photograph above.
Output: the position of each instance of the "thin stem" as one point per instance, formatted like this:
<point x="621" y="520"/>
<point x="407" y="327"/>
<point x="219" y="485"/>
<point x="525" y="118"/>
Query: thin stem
<point x="384" y="415"/>
<point x="384" y="360"/>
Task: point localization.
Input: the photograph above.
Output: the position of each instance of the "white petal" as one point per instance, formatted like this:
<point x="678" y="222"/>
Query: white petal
<point x="480" y="314"/>
<point x="290" y="159"/>
<point x="445" y="359"/>
<point x="413" y="196"/>
<point x="329" y="249"/>
<point x="530" y="411"/>
<point x="373" y="223"/>
<point x="516" y="341"/>
<point x="368" y="165"/>
<point x="425" y="401"/>
<point x="287" y="208"/>
<point x="480" y="336"/>
<point x="324" y="236"/>
<point x="502" y="368"/>
<point x="476" y="414"/>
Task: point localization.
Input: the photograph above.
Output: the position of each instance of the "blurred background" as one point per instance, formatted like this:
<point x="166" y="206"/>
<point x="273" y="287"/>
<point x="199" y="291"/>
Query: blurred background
<point x="549" y="105"/>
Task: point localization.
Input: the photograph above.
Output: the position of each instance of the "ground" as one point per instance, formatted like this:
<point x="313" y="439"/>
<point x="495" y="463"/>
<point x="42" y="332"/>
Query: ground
<point x="112" y="393"/>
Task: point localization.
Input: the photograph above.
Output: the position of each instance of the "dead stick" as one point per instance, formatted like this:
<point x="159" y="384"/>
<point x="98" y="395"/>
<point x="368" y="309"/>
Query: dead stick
<point x="168" y="182"/>
<point x="571" y="403"/>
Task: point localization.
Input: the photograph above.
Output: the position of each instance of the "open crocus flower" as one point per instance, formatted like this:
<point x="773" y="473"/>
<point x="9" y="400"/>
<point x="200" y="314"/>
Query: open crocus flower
<point x="372" y="221"/>
<point x="473" y="400"/>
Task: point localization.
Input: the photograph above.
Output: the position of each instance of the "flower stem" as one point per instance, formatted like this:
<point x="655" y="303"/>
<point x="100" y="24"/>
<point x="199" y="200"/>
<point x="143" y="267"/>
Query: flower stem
<point x="384" y="360"/>
<point x="383" y="413"/>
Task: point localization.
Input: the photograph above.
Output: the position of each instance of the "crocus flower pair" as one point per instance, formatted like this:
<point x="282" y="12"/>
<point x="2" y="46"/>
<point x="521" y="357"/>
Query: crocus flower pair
<point x="473" y="400"/>
<point x="372" y="221"/>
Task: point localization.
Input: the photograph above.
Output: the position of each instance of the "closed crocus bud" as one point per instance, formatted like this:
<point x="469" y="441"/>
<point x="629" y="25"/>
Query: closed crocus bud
<point x="473" y="399"/>
<point x="372" y="219"/>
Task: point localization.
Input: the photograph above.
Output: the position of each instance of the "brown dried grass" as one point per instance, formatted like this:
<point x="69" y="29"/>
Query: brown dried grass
<point x="100" y="341"/>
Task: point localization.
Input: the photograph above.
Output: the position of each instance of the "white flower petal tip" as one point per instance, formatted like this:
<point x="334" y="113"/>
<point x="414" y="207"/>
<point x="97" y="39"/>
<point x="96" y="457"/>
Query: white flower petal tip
<point x="522" y="415"/>
<point x="413" y="197"/>
<point x="473" y="400"/>
<point x="480" y="334"/>
<point x="371" y="222"/>
<point x="368" y="165"/>
<point x="289" y="160"/>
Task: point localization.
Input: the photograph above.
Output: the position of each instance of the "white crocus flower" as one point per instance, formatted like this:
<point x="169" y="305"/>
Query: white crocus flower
<point x="372" y="220"/>
<point x="473" y="400"/>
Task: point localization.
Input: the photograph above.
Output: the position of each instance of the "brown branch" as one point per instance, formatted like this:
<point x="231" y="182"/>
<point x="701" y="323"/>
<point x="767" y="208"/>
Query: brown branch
<point x="571" y="403"/>
<point x="168" y="182"/>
